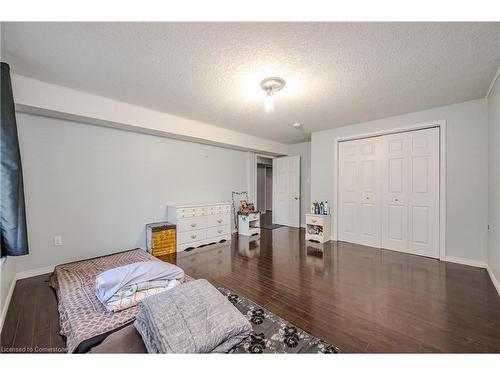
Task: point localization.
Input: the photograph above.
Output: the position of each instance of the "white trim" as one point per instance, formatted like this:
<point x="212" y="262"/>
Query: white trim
<point x="255" y="171"/>
<point x="7" y="303"/>
<point x="465" y="261"/>
<point x="442" y="190"/>
<point x="492" y="84"/>
<point x="494" y="280"/>
<point x="34" y="272"/>
<point x="441" y="124"/>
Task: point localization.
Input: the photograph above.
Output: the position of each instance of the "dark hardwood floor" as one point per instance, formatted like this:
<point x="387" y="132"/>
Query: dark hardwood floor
<point x="358" y="298"/>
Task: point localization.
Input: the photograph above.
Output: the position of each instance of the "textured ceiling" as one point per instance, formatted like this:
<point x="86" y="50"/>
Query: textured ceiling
<point x="336" y="73"/>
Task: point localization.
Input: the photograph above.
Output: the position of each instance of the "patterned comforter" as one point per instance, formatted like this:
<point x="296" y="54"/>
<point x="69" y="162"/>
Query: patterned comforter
<point x="82" y="316"/>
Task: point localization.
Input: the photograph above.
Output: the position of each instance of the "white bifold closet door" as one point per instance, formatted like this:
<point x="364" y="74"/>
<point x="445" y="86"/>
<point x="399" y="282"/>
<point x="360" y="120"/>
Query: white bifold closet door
<point x="389" y="192"/>
<point x="360" y="192"/>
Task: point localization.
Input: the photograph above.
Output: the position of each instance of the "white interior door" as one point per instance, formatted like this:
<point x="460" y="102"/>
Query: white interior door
<point x="395" y="192"/>
<point x="359" y="191"/>
<point x="424" y="192"/>
<point x="348" y="191"/>
<point x="369" y="197"/>
<point x="286" y="191"/>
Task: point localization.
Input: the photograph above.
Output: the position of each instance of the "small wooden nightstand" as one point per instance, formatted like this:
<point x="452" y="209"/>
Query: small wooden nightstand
<point x="318" y="228"/>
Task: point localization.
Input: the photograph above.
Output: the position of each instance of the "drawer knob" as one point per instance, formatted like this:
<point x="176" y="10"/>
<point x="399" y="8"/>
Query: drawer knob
<point x="193" y="225"/>
<point x="219" y="221"/>
<point x="396" y="200"/>
<point x="193" y="236"/>
<point x="313" y="221"/>
<point x="219" y="231"/>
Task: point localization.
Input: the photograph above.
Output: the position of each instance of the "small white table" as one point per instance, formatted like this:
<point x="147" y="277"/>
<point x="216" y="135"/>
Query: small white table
<point x="318" y="228"/>
<point x="249" y="225"/>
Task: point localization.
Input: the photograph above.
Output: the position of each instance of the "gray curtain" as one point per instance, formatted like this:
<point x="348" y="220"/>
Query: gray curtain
<point x="14" y="238"/>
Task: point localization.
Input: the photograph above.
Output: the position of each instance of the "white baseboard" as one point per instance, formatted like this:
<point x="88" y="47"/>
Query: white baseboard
<point x="465" y="261"/>
<point x="34" y="272"/>
<point x="494" y="280"/>
<point x="7" y="303"/>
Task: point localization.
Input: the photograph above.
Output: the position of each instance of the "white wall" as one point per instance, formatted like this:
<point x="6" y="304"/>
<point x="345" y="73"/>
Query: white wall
<point x="97" y="187"/>
<point x="304" y="151"/>
<point x="466" y="177"/>
<point x="494" y="184"/>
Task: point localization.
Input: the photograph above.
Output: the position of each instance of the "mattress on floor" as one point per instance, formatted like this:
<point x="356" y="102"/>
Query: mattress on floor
<point x="83" y="318"/>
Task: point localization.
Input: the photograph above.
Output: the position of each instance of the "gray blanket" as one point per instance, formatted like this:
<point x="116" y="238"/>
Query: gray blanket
<point x="191" y="318"/>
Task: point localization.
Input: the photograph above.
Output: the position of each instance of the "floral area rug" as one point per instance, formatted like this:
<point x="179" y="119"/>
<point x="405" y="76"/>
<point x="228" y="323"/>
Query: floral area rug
<point x="272" y="334"/>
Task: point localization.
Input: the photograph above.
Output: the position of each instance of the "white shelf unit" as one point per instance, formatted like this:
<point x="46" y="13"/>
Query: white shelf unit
<point x="249" y="225"/>
<point x="319" y="225"/>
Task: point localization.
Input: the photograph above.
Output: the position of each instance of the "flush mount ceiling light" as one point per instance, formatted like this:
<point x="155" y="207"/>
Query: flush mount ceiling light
<point x="271" y="85"/>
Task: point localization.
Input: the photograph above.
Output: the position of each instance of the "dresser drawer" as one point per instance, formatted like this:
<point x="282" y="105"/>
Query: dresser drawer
<point x="224" y="207"/>
<point x="213" y="210"/>
<point x="218" y="219"/>
<point x="191" y="236"/>
<point x="190" y="212"/>
<point x="193" y="223"/>
<point x="218" y="231"/>
<point x="316" y="220"/>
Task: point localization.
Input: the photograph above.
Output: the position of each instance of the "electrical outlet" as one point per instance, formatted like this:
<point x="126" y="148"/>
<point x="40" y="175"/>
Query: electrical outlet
<point x="58" y="241"/>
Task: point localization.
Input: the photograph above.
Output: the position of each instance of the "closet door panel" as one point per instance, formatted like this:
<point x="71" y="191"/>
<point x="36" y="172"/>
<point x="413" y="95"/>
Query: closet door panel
<point x="394" y="181"/>
<point x="424" y="193"/>
<point x="369" y="195"/>
<point x="348" y="191"/>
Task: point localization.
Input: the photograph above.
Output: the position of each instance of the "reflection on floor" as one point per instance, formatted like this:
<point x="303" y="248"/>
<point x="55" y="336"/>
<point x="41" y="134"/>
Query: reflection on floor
<point x="364" y="299"/>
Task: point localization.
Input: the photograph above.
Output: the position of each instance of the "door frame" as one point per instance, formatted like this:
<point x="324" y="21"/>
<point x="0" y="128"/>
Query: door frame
<point x="255" y="174"/>
<point x="441" y="125"/>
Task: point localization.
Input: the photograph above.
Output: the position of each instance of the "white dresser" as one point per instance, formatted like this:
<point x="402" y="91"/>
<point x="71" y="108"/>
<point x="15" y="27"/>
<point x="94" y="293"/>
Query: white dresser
<point x="201" y="223"/>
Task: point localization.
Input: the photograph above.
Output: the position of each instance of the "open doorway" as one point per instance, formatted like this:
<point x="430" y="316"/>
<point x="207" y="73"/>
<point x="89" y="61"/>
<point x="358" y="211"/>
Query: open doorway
<point x="265" y="189"/>
<point x="277" y="187"/>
